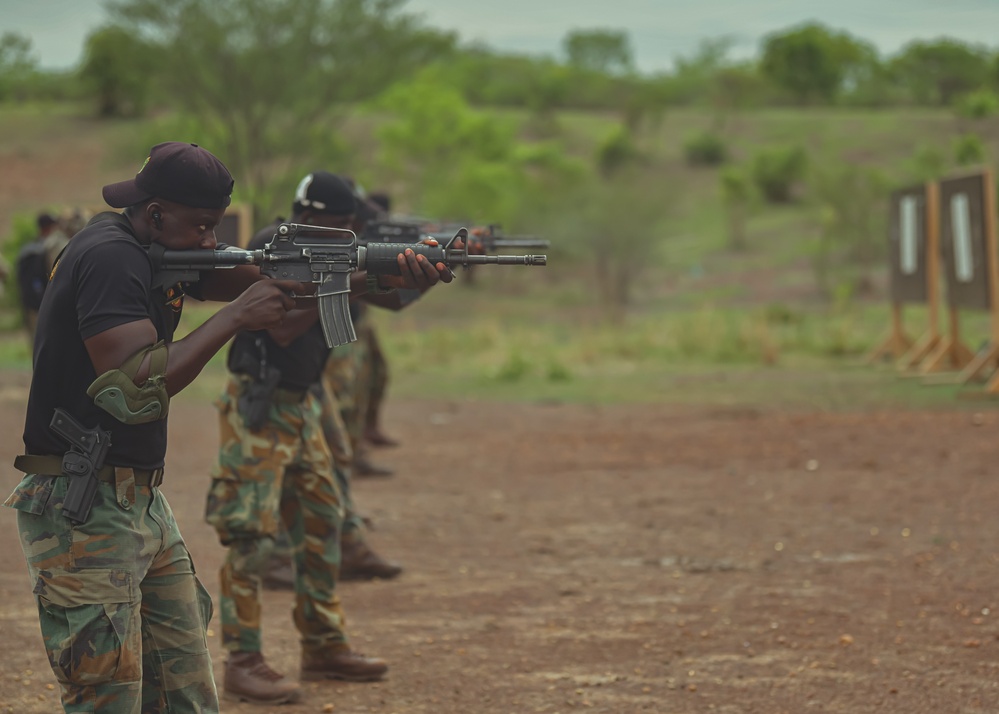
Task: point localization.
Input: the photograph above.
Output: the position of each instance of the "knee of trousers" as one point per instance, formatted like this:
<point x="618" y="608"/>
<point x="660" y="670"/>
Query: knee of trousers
<point x="250" y="556"/>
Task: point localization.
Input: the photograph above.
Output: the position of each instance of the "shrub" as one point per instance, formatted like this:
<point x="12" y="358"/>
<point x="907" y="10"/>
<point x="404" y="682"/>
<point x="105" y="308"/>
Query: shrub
<point x="928" y="163"/>
<point x="978" y="105"/>
<point x="616" y="151"/>
<point x="558" y="372"/>
<point x="514" y="368"/>
<point x="776" y="171"/>
<point x="705" y="149"/>
<point x="969" y="149"/>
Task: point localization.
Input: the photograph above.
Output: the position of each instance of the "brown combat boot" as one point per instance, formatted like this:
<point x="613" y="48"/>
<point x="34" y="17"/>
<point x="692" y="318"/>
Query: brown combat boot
<point x="249" y="679"/>
<point x="376" y="437"/>
<point x="359" y="562"/>
<point x="365" y="469"/>
<point x="341" y="663"/>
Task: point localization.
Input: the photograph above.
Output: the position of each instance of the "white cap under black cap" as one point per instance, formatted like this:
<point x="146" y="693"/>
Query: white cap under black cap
<point x="324" y="192"/>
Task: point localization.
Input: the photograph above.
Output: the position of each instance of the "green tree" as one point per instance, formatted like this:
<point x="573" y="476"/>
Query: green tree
<point x="813" y="63"/>
<point x="118" y="69"/>
<point x="17" y="65"/>
<point x="693" y="77"/>
<point x="737" y="198"/>
<point x="618" y="217"/>
<point x="939" y="71"/>
<point x="603" y="51"/>
<point x="266" y="77"/>
<point x="853" y="206"/>
<point x="451" y="161"/>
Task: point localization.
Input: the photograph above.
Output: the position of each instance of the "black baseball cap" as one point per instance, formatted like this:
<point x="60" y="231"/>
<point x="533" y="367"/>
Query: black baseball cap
<point x="179" y="172"/>
<point x="324" y="192"/>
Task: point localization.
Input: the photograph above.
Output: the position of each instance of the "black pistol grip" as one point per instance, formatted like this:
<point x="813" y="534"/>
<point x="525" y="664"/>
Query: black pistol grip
<point x="69" y="429"/>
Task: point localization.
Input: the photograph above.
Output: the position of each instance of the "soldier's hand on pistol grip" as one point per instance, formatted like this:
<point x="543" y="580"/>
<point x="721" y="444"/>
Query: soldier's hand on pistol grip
<point x="265" y="303"/>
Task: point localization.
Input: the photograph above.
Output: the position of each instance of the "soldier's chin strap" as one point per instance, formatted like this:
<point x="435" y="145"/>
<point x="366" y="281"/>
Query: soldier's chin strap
<point x="116" y="392"/>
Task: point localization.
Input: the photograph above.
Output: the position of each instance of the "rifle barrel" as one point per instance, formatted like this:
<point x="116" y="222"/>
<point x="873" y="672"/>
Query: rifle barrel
<point x="457" y="257"/>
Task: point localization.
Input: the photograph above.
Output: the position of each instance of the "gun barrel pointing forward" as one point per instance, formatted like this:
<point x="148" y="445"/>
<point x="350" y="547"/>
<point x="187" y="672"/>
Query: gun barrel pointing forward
<point x="458" y="257"/>
<point x="326" y="257"/>
<point x="520" y="243"/>
<point x="491" y="243"/>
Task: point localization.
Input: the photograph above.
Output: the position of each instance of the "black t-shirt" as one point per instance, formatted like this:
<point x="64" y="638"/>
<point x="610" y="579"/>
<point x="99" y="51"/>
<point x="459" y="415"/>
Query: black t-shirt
<point x="101" y="281"/>
<point x="300" y="363"/>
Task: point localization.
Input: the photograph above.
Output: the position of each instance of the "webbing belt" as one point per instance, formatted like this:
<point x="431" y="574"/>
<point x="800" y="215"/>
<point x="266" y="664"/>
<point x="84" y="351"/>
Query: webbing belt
<point x="52" y="466"/>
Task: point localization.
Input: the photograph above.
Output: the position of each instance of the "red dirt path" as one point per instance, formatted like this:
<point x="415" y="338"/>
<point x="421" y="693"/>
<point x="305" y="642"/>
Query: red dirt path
<point x="624" y="559"/>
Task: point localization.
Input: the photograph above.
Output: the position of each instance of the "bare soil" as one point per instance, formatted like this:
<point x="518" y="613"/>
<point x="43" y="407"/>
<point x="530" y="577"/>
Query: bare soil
<point x="631" y="559"/>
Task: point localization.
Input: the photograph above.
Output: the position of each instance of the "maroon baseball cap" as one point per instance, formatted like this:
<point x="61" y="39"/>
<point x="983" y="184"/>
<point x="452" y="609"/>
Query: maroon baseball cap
<point x="178" y="172"/>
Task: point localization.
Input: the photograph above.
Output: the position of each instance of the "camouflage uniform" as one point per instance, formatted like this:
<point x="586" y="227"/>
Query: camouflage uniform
<point x="279" y="474"/>
<point x="346" y="371"/>
<point x="343" y="420"/>
<point x="122" y="614"/>
<point x="338" y="440"/>
<point x="376" y="381"/>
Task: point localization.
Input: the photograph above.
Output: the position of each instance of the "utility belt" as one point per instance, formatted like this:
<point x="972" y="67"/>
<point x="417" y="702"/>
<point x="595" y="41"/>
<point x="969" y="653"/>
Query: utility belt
<point x="84" y="466"/>
<point x="53" y="466"/>
<point x="256" y="397"/>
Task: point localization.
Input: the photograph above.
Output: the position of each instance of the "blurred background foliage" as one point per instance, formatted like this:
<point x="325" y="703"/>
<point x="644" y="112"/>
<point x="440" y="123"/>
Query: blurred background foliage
<point x="720" y="185"/>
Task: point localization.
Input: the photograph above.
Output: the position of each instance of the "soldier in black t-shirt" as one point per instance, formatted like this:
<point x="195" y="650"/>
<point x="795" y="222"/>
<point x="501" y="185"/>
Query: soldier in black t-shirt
<point x="122" y="614"/>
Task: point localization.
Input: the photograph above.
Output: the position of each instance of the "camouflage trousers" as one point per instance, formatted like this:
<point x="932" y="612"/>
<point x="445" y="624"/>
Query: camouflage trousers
<point x="279" y="475"/>
<point x="345" y="373"/>
<point x="122" y="614"/>
<point x="338" y="440"/>
<point x="375" y="381"/>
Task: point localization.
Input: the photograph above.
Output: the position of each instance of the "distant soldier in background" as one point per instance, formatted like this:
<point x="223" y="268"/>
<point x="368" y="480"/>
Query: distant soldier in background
<point x="379" y="371"/>
<point x="33" y="270"/>
<point x="54" y="243"/>
<point x="352" y="369"/>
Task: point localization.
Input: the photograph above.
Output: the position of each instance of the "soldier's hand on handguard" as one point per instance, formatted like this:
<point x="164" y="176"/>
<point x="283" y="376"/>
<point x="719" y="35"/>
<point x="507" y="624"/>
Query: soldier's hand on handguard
<point x="418" y="273"/>
<point x="265" y="303"/>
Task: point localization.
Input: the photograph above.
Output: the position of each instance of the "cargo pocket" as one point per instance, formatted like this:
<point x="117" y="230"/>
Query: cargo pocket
<point x="91" y="626"/>
<point x="205" y="606"/>
<point x="32" y="494"/>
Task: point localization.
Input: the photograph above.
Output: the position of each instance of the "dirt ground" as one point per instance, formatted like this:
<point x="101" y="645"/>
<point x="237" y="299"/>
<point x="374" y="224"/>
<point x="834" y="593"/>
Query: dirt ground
<point x="655" y="559"/>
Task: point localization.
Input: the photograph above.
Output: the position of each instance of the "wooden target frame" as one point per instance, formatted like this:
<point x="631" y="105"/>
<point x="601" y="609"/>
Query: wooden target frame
<point x="950" y="353"/>
<point x="236" y="226"/>
<point x="914" y="270"/>
<point x="971" y="222"/>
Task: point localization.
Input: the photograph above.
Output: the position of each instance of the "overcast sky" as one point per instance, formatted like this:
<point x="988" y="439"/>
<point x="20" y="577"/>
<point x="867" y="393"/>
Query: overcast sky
<point x="659" y="29"/>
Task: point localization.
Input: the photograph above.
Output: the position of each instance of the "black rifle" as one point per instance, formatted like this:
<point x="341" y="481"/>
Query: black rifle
<point x="491" y="238"/>
<point x="87" y="449"/>
<point x="391" y="232"/>
<point x="326" y="257"/>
